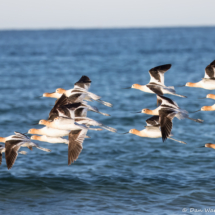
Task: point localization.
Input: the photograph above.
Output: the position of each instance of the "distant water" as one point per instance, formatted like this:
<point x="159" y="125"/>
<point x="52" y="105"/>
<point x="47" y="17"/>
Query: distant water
<point x="121" y="174"/>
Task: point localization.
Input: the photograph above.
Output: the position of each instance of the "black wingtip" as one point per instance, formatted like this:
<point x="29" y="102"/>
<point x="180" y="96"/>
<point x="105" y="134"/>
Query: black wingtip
<point x="84" y="79"/>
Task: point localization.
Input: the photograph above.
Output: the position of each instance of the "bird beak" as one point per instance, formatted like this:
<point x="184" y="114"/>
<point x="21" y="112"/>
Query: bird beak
<point x="38" y="97"/>
<point x="137" y="112"/>
<point x="201" y="147"/>
<point x="36" y="123"/>
<point x="124" y="133"/>
<point x="127" y="88"/>
<point x="181" y="86"/>
<point x="202" y="98"/>
<point x="196" y="111"/>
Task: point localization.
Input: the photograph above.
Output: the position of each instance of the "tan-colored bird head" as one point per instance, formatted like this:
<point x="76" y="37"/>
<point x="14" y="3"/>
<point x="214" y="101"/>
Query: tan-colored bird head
<point x="2" y="139"/>
<point x="210" y="145"/>
<point x="189" y="84"/>
<point x="207" y="108"/>
<point x="33" y="131"/>
<point x="35" y="137"/>
<point x="43" y="122"/>
<point x="136" y="86"/>
<point x="52" y="95"/>
<point x="210" y="96"/>
<point x="133" y="131"/>
<point x="60" y="90"/>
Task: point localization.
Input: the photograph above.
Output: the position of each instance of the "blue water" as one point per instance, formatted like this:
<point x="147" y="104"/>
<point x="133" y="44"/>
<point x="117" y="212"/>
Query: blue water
<point x="121" y="174"/>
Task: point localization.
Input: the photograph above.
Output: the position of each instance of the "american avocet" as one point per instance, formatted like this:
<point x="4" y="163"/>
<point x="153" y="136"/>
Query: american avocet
<point x="84" y="82"/>
<point x="67" y="123"/>
<point x="2" y="150"/>
<point x="50" y="139"/>
<point x="81" y="90"/>
<point x="208" y="145"/>
<point x="84" y="95"/>
<point x="50" y="132"/>
<point x="152" y="130"/>
<point x="206" y="108"/>
<point x="76" y="138"/>
<point x="13" y="144"/>
<point x="169" y="106"/>
<point x="63" y="107"/>
<point x="209" y="96"/>
<point x="208" y="81"/>
<point x="157" y="81"/>
<point x="63" y="123"/>
<point x="167" y="111"/>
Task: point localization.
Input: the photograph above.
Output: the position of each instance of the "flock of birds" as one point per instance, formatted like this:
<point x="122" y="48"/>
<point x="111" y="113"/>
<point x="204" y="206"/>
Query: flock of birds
<point x="68" y="116"/>
<point x="160" y="124"/>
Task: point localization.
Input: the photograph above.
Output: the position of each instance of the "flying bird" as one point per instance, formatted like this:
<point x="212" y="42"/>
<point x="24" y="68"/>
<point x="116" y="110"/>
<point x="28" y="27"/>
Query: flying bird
<point x="208" y="82"/>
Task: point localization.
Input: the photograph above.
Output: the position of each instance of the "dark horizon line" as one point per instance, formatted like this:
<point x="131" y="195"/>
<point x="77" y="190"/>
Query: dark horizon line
<point x="105" y="28"/>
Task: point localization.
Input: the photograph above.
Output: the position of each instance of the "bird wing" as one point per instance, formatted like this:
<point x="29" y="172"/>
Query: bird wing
<point x="63" y="100"/>
<point x="157" y="73"/>
<point x="157" y="89"/>
<point x="81" y="112"/>
<point x="11" y="151"/>
<point x="87" y="121"/>
<point x="76" y="96"/>
<point x="83" y="82"/>
<point x="152" y="121"/>
<point x="75" y="147"/>
<point x="166" y="117"/>
<point x="93" y="96"/>
<point x="167" y="101"/>
<point x="19" y="135"/>
<point x="0" y="158"/>
<point x="210" y="71"/>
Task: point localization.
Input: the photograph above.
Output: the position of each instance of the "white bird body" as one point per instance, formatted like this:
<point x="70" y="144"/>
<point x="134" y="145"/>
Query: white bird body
<point x="63" y="123"/>
<point x="51" y="132"/>
<point x="157" y="82"/>
<point x="208" y="82"/>
<point x="48" y="139"/>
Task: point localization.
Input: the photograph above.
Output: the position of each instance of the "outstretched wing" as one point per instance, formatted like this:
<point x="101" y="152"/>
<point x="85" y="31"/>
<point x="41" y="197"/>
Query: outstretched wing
<point x="84" y="82"/>
<point x="152" y="121"/>
<point x="11" y="151"/>
<point x="167" y="101"/>
<point x="157" y="73"/>
<point x="166" y="117"/>
<point x="19" y="135"/>
<point x="210" y="70"/>
<point x="75" y="147"/>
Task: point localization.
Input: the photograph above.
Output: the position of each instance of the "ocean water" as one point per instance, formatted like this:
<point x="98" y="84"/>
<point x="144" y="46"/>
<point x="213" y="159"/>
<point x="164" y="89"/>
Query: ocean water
<point x="115" y="173"/>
